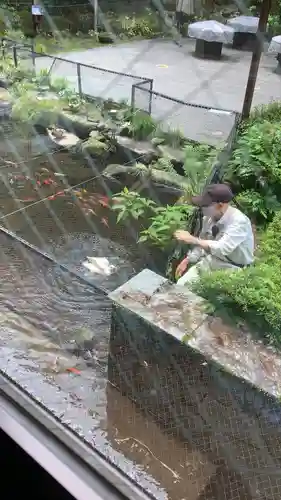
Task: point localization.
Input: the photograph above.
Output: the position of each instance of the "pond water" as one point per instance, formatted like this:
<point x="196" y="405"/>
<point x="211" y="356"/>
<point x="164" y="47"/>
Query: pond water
<point x="55" y="329"/>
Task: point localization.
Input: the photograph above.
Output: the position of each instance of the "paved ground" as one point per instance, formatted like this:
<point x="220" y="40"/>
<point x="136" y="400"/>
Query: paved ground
<point x="176" y="73"/>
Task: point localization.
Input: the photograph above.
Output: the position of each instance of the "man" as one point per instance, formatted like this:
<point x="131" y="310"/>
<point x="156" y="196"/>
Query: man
<point x="184" y="11"/>
<point x="226" y="239"/>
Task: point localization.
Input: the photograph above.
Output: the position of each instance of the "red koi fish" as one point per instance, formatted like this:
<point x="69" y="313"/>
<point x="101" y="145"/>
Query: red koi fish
<point x="104" y="201"/>
<point x="105" y="221"/>
<point x="27" y="200"/>
<point x="73" y="370"/>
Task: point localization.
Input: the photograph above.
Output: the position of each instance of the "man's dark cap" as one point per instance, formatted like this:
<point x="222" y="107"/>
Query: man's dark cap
<point x="214" y="193"/>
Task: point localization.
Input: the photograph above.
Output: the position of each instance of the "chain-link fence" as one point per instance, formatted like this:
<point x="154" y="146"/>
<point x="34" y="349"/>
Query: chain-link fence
<point x="232" y="424"/>
<point x="194" y="431"/>
<point x="199" y="123"/>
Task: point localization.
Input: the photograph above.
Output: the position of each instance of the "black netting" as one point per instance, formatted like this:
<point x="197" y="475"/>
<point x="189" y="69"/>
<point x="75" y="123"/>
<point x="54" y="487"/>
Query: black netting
<point x="165" y="413"/>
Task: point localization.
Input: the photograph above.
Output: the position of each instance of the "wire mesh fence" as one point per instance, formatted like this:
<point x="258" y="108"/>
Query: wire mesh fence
<point x="222" y="416"/>
<point x="194" y="431"/>
<point x="46" y="208"/>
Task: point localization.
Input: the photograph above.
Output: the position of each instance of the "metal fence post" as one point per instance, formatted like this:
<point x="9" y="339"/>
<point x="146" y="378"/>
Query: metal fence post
<point x="150" y="97"/>
<point x="133" y="97"/>
<point x="15" y="55"/>
<point x="33" y="54"/>
<point x="78" y="68"/>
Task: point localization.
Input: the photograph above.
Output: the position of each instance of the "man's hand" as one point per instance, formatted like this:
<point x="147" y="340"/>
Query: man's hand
<point x="192" y="240"/>
<point x="184" y="236"/>
<point x="181" y="268"/>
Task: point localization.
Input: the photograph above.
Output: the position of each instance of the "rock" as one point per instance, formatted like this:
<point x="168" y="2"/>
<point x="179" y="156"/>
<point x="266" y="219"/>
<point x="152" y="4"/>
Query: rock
<point x="77" y="124"/>
<point x="5" y="109"/>
<point x="125" y="129"/>
<point x="63" y="139"/>
<point x="98" y="147"/>
<point x="43" y="95"/>
<point x="176" y="156"/>
<point x="5" y="103"/>
<point x="95" y="134"/>
<point x="105" y="37"/>
<point x="131" y="150"/>
<point x="4" y="84"/>
<point x="106" y="127"/>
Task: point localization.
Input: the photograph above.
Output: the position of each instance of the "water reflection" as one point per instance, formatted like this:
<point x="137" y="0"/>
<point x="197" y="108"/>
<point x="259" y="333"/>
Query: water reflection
<point x="182" y="471"/>
<point x="54" y="334"/>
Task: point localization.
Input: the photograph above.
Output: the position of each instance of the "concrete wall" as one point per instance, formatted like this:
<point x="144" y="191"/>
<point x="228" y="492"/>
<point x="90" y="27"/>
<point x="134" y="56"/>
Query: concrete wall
<point x="219" y="414"/>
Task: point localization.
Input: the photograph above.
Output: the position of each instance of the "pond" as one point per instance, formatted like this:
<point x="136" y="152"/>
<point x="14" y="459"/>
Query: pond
<point x="55" y="328"/>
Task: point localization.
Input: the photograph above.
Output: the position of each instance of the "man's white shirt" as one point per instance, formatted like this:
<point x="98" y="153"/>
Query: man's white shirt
<point x="234" y="241"/>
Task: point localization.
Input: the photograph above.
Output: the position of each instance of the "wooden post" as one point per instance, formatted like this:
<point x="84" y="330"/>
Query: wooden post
<point x="252" y="78"/>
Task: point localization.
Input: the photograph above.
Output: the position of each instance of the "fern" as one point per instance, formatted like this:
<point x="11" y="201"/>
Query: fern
<point x="198" y="164"/>
<point x="164" y="164"/>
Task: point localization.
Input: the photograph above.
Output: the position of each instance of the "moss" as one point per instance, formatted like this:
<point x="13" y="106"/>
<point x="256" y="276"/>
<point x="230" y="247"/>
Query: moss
<point x="96" y="146"/>
<point x="78" y="124"/>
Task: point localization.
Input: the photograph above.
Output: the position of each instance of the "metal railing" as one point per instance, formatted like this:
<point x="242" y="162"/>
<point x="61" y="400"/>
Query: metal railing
<point x="87" y="80"/>
<point x="203" y="124"/>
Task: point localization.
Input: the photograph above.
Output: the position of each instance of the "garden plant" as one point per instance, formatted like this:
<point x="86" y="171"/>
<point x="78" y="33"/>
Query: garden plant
<point x="254" y="171"/>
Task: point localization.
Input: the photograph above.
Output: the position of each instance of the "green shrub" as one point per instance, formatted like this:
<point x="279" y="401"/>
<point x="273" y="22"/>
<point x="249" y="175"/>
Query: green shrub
<point x="59" y="84"/>
<point x="274" y="24"/>
<point x="254" y="169"/>
<point x="257" y="155"/>
<point x="56" y="25"/>
<point x="25" y="20"/>
<point x="259" y="207"/>
<point x="130" y="204"/>
<point x="130" y="26"/>
<point x="9" y="18"/>
<point x="198" y="164"/>
<point x="270" y="112"/>
<point x="141" y="125"/>
<point x="163" y="225"/>
<point x="171" y="137"/>
<point x="164" y="164"/>
<point x="30" y="110"/>
<point x="269" y="246"/>
<point x="158" y="223"/>
<point x="252" y="294"/>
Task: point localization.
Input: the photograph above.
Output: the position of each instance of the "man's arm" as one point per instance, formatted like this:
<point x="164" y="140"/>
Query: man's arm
<point x="197" y="252"/>
<point x="235" y="234"/>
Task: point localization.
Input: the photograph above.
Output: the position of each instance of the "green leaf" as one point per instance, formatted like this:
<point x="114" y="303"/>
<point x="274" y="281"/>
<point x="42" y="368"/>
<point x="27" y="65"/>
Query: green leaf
<point x="142" y="239"/>
<point x="121" y="216"/>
